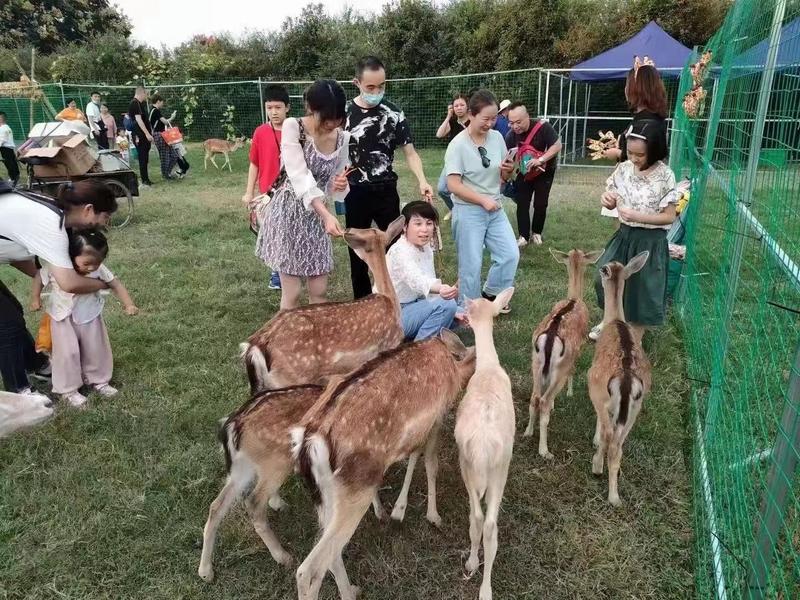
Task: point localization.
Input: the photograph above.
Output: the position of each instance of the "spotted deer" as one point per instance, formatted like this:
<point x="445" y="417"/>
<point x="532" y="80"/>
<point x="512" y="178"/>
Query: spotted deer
<point x="216" y="146"/>
<point x="374" y="418"/>
<point x="619" y="377"/>
<point x="309" y="344"/>
<point x="557" y="343"/>
<point x="484" y="434"/>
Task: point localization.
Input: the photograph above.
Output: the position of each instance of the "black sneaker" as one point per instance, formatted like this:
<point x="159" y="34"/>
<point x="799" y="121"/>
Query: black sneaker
<point x="503" y="311"/>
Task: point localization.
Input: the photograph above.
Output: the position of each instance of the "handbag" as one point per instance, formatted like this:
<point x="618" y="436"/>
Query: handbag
<point x="258" y="206"/>
<point x="44" y="340"/>
<point x="527" y="152"/>
<point x="172" y="136"/>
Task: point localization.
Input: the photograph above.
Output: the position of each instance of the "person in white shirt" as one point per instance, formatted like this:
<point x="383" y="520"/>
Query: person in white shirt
<point x="81" y="350"/>
<point x="33" y="226"/>
<point x="426" y="304"/>
<point x="8" y="149"/>
<point x="96" y="123"/>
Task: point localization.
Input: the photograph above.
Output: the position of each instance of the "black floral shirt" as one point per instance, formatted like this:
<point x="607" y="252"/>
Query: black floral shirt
<point x="375" y="133"/>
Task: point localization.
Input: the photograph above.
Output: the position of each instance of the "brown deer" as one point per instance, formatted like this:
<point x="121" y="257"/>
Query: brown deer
<point x="309" y="344"/>
<point x="557" y="343"/>
<point x="485" y="436"/>
<point x="216" y="146"/>
<point x="619" y="377"/>
<point x="376" y="417"/>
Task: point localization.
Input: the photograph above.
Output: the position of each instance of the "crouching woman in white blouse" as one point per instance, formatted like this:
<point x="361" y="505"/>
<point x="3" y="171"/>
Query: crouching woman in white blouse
<point x="426" y="304"/>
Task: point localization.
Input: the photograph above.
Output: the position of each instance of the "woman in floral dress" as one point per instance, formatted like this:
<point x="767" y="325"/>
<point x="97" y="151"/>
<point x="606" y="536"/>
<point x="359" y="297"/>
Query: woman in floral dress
<point x="295" y="234"/>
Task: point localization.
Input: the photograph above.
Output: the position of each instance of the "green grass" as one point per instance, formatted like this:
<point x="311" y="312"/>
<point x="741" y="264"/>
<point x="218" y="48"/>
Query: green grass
<point x="110" y="502"/>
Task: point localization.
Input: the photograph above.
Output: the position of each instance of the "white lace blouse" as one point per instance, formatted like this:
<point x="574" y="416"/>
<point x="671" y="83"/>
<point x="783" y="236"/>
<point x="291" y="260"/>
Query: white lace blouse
<point x="294" y="161"/>
<point x="411" y="270"/>
<point x="649" y="193"/>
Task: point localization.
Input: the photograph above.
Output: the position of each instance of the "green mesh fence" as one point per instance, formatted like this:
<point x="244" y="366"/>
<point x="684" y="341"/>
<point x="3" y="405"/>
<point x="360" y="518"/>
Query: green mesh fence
<point x="230" y="109"/>
<point x="739" y="299"/>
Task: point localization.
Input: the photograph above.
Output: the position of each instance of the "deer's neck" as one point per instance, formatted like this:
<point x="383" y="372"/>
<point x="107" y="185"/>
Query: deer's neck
<point x="613" y="310"/>
<point x="486" y="354"/>
<point x="575" y="290"/>
<point x="383" y="283"/>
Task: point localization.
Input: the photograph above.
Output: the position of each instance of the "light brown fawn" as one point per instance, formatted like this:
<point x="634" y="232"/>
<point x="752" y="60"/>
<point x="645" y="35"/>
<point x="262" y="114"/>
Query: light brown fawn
<point x="309" y="344"/>
<point x="619" y="377"/>
<point x="216" y="146"/>
<point x="356" y="431"/>
<point x="557" y="343"/>
<point x="484" y="433"/>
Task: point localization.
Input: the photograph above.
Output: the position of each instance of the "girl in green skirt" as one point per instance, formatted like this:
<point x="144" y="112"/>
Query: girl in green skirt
<point x="643" y="191"/>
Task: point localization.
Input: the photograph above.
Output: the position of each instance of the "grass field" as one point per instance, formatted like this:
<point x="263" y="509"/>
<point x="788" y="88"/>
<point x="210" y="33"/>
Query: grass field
<point x="110" y="502"/>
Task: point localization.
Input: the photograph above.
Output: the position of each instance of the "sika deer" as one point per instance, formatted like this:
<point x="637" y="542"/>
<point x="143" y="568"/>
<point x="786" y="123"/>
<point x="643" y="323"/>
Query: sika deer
<point x="619" y="377"/>
<point x="557" y="343"/>
<point x="379" y="415"/>
<point x="485" y="436"/>
<point x="311" y="343"/>
<point x="216" y="146"/>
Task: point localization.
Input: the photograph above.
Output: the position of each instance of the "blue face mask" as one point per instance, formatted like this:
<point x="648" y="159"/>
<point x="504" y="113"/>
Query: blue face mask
<point x="372" y="99"/>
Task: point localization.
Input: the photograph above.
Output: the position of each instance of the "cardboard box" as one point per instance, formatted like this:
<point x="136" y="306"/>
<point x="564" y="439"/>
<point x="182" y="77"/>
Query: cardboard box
<point x="72" y="157"/>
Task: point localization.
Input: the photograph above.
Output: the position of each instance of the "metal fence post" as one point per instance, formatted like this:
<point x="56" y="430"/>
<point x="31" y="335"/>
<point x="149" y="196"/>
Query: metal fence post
<point x="779" y="485"/>
<point x="261" y="97"/>
<point x="63" y="97"/>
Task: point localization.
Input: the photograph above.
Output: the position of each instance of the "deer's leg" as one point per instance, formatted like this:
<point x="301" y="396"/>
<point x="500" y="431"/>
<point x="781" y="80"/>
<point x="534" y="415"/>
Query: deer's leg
<point x="475" y="519"/>
<point x="596" y="438"/>
<point x="569" y="386"/>
<point x="431" y="471"/>
<point x="536" y="393"/>
<point x="227" y="162"/>
<point x="205" y="162"/>
<point x="256" y="503"/>
<point x="614" y="460"/>
<point x="347" y="591"/>
<point x="546" y="403"/>
<point x="213" y="162"/>
<point x="399" y="510"/>
<point x="377" y="508"/>
<point x="605" y="438"/>
<point x="494" y="495"/>
<point x="233" y="487"/>
<point x="349" y="507"/>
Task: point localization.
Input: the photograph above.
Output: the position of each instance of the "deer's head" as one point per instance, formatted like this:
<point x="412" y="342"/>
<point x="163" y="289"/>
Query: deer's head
<point x="576" y="258"/>
<point x="368" y="243"/>
<point x="464" y="357"/>
<point x="483" y="310"/>
<point x="614" y="274"/>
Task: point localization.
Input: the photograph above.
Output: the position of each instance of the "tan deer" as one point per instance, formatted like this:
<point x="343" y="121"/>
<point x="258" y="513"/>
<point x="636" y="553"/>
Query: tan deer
<point x="309" y="344"/>
<point x="619" y="377"/>
<point x="557" y="343"/>
<point x="216" y="146"/>
<point x="484" y="433"/>
<point x="362" y="426"/>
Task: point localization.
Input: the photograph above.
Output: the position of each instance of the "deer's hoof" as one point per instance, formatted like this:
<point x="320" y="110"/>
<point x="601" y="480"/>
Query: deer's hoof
<point x="435" y="520"/>
<point x="399" y="512"/>
<point x="546" y="454"/>
<point x="471" y="566"/>
<point x="206" y="574"/>
<point x="614" y="500"/>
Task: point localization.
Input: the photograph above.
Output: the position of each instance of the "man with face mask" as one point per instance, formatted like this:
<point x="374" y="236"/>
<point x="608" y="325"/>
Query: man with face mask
<point x="377" y="127"/>
<point x="95" y="119"/>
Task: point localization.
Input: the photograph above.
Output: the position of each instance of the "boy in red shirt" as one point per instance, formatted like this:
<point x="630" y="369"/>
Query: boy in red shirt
<point x="265" y="152"/>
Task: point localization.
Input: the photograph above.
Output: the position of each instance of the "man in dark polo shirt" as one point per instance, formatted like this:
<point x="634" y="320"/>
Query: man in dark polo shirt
<point x="377" y="127"/>
<point x="142" y="131"/>
<point x="537" y="191"/>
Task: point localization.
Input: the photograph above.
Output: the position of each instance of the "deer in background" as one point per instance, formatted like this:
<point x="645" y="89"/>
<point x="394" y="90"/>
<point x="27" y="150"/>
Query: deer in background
<point x="216" y="146"/>
<point x="311" y="343"/>
<point x="360" y="427"/>
<point x="619" y="377"/>
<point x="557" y="343"/>
<point x="18" y="411"/>
<point x="485" y="436"/>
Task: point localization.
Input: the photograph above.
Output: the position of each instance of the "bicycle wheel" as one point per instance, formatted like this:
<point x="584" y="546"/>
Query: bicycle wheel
<point x="124" y="212"/>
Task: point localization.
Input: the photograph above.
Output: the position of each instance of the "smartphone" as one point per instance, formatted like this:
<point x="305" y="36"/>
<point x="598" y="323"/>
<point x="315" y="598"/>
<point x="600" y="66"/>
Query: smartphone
<point x="512" y="154"/>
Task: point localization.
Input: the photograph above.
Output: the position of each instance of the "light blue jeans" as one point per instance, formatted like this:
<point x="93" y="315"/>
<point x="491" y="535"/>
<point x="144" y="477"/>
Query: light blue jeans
<point x="442" y="190"/>
<point x="473" y="228"/>
<point x="426" y="317"/>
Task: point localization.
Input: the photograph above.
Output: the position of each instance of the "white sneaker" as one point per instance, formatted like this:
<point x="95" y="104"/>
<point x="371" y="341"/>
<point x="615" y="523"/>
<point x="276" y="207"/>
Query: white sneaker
<point x="536" y="239"/>
<point x="521" y="242"/>
<point x="106" y="390"/>
<point x="75" y="399"/>
<point x="595" y="332"/>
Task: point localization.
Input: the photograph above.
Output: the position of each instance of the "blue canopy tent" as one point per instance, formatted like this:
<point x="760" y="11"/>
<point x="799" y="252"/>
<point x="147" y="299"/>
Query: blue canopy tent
<point x="668" y="53"/>
<point x="754" y="59"/>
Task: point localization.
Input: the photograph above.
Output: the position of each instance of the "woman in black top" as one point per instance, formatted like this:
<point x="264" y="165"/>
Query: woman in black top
<point x="169" y="155"/>
<point x="454" y="123"/>
<point x="647" y="99"/>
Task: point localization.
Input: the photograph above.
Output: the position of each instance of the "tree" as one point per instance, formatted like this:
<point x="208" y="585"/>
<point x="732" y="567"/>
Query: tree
<point x="46" y="24"/>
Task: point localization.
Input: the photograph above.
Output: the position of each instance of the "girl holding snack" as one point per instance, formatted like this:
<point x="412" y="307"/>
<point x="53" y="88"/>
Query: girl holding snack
<point x="81" y="351"/>
<point x="643" y="191"/>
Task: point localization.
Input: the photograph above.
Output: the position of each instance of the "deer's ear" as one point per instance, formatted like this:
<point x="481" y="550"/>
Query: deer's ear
<point x="560" y="257"/>
<point x="453" y="343"/>
<point x="395" y="228"/>
<point x="502" y="300"/>
<point x="635" y="264"/>
<point x="592" y="257"/>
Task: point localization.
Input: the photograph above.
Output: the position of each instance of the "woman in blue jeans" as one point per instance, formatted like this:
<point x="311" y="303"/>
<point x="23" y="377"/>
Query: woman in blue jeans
<point x="473" y="163"/>
<point x="426" y="304"/>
